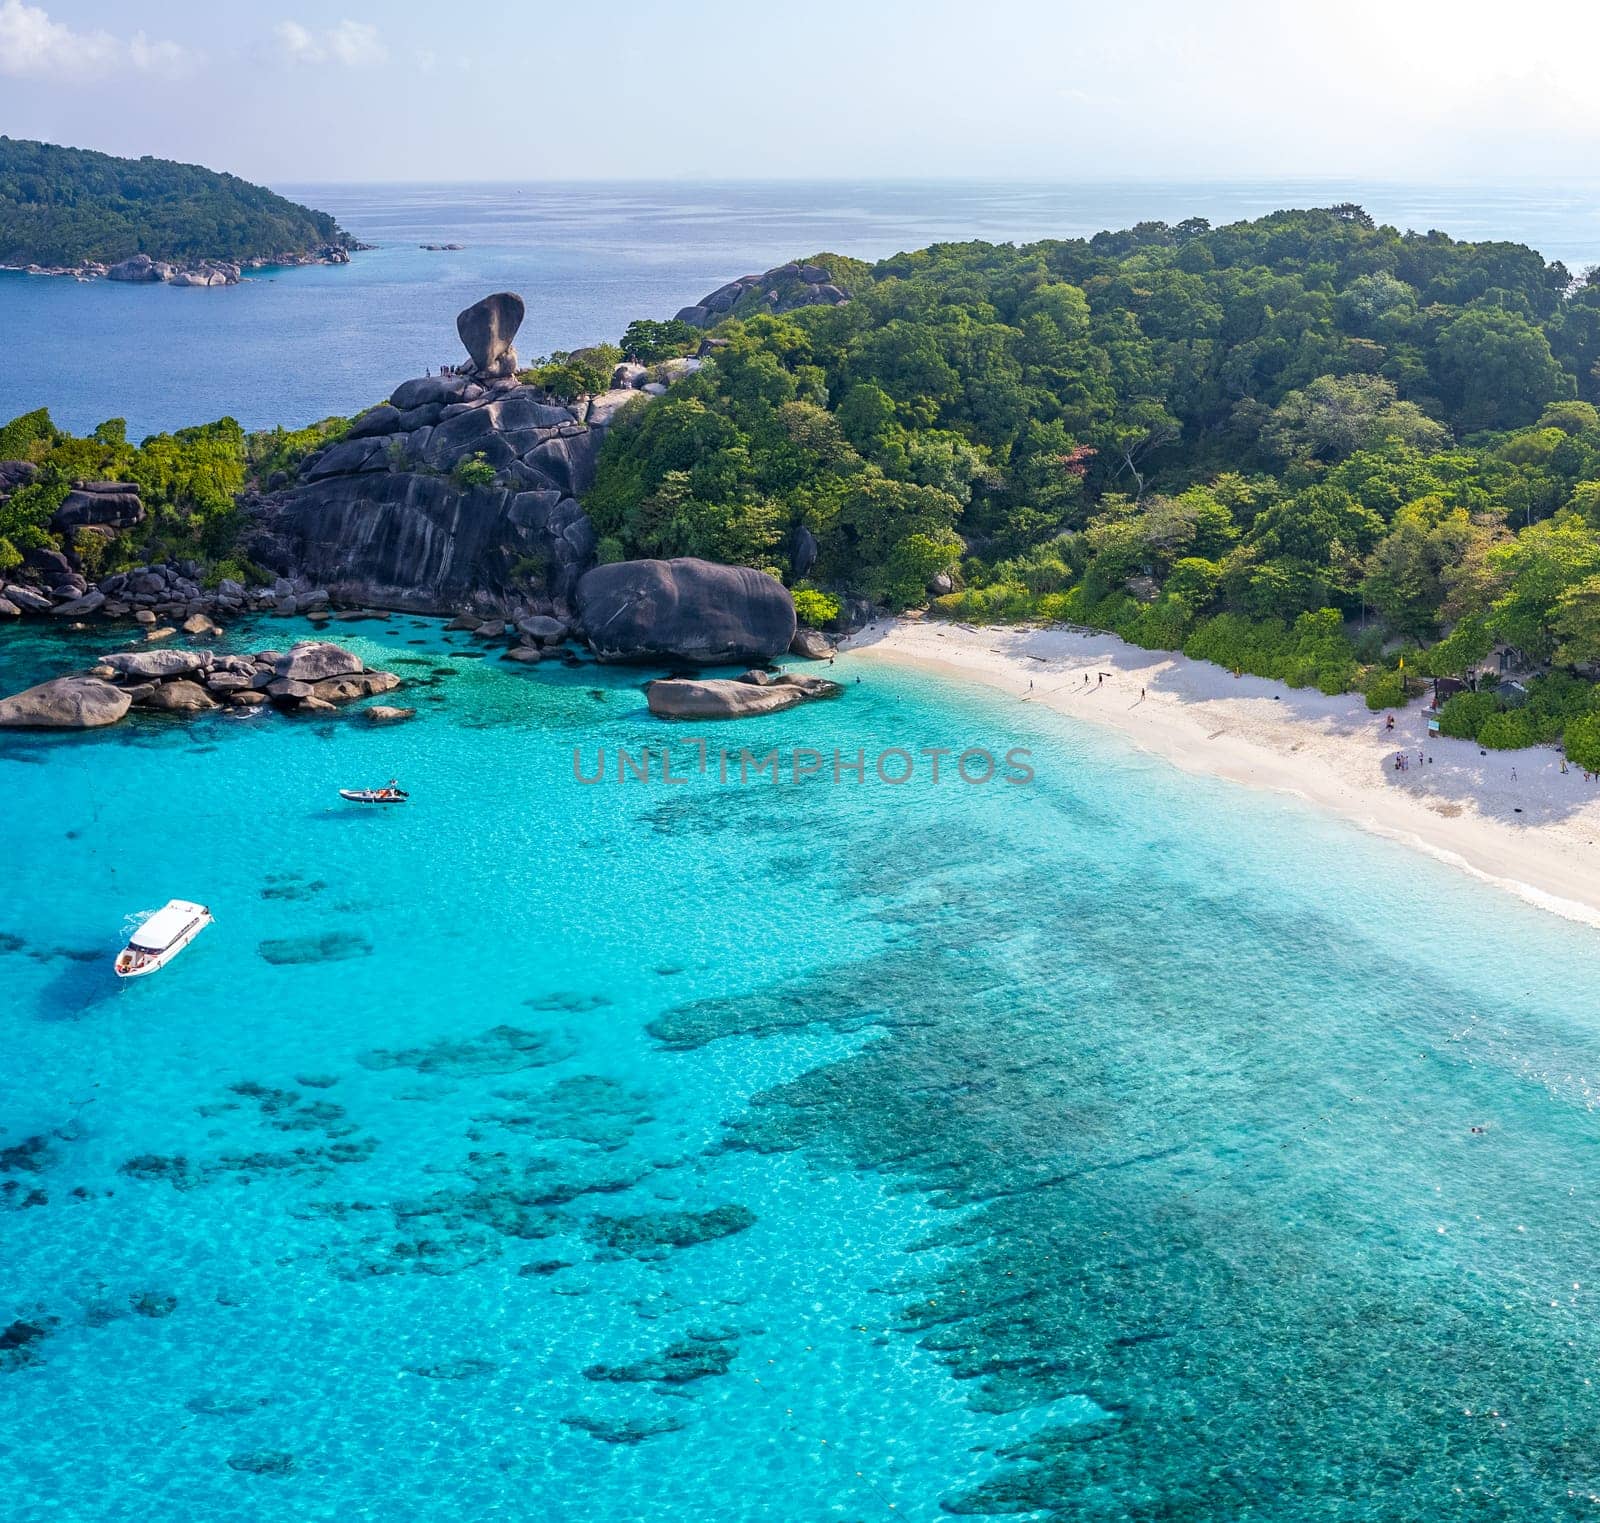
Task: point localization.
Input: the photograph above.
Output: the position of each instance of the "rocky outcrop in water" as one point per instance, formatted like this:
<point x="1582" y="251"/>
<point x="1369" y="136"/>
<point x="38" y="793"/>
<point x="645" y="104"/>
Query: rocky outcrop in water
<point x="141" y="269"/>
<point x="753" y="693"/>
<point x="65" y="703"/>
<point x="313" y="676"/>
<point x="779" y="290"/>
<point x="684" y="610"/>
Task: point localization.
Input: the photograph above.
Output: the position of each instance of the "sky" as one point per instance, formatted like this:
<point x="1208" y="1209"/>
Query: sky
<point x="281" y="90"/>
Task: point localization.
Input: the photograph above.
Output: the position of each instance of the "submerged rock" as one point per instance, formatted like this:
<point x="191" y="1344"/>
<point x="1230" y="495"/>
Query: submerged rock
<point x="263" y="1462"/>
<point x="329" y="946"/>
<point x="19" y="1342"/>
<point x="616" y="1430"/>
<point x="651" y="1233"/>
<point x="501" y="1049"/>
<point x="454" y="1369"/>
<point x="679" y="1363"/>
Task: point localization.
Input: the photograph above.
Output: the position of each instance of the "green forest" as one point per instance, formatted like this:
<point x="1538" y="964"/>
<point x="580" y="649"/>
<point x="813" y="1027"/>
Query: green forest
<point x="65" y="206"/>
<point x="1306" y="446"/>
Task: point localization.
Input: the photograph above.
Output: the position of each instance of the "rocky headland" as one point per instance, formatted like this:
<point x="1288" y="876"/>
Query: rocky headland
<point x="779" y="290"/>
<point x="460" y="496"/>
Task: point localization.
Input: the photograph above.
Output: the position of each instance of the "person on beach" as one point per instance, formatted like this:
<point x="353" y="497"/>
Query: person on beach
<point x="1388" y="723"/>
<point x="1513" y="774"/>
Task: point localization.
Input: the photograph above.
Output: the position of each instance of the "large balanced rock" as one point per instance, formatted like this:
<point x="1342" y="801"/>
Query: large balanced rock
<point x="684" y="610"/>
<point x="313" y="660"/>
<point x="65" y="703"/>
<point x="487" y="328"/>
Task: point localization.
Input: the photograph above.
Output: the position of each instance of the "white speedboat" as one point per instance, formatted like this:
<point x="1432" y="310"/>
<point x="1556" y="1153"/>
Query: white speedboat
<point x="161" y="938"/>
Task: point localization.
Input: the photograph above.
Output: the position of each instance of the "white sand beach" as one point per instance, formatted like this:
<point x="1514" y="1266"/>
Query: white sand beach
<point x="1512" y="817"/>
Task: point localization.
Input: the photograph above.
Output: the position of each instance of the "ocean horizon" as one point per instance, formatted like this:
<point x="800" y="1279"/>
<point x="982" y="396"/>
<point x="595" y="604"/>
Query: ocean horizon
<point x="292" y="346"/>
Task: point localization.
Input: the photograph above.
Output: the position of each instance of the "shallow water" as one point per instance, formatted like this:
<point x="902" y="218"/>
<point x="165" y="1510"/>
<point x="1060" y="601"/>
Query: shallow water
<point x="1103" y="1147"/>
<point x="292" y="346"/>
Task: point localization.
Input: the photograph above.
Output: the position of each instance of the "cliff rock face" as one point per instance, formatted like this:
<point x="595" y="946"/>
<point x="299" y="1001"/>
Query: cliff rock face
<point x="395" y="512"/>
<point x="684" y="610"/>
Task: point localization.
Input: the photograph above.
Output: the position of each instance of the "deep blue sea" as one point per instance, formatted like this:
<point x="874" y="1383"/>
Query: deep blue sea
<point x="295" y="345"/>
<point x="1122" y="1146"/>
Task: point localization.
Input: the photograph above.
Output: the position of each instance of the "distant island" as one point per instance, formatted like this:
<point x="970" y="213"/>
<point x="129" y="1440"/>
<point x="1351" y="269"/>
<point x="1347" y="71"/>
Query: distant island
<point x="70" y="211"/>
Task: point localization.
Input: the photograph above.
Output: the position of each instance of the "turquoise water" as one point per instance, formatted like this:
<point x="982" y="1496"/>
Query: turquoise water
<point x="1097" y="1149"/>
<point x="297" y="345"/>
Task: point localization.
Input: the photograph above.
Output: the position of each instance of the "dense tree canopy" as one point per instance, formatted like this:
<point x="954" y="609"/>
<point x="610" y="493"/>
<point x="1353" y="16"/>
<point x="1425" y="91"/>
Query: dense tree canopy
<point x="1303" y="417"/>
<point x="65" y="206"/>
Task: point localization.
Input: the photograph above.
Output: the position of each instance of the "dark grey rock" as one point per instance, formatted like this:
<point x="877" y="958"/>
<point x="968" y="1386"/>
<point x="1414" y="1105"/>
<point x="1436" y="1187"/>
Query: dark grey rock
<point x="426" y="542"/>
<point x="382" y="419"/>
<point x="349" y="456"/>
<point x="14" y="474"/>
<point x="28" y="598"/>
<point x="76" y="608"/>
<point x="487" y="328"/>
<point x="684" y="610"/>
<point x="115" y="503"/>
<point x="811" y="645"/>
<point x="802" y="551"/>
<point x="425" y="391"/>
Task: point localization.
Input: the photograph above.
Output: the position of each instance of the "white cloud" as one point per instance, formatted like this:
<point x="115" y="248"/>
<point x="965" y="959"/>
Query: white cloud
<point x="32" y="45"/>
<point x="351" y="44"/>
